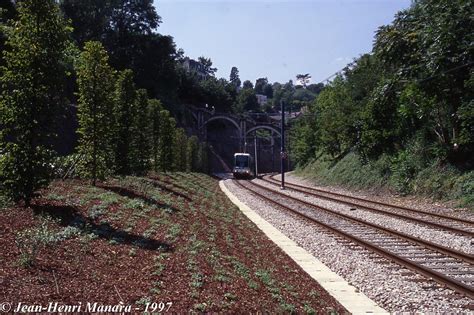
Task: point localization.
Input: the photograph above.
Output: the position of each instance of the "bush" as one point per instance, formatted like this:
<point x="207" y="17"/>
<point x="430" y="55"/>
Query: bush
<point x="464" y="189"/>
<point x="31" y="241"/>
<point x="404" y="173"/>
<point x="350" y="171"/>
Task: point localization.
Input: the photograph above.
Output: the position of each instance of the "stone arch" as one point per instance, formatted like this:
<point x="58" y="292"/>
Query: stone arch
<point x="264" y="127"/>
<point x="225" y="118"/>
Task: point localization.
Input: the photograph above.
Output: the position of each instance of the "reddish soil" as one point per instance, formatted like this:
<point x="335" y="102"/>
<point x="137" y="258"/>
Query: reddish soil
<point x="167" y="238"/>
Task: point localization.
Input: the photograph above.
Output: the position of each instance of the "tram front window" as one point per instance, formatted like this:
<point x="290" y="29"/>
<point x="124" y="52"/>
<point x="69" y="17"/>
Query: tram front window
<point x="241" y="161"/>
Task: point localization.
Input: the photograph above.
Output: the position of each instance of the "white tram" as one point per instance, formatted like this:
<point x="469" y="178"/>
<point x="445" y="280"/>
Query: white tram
<point x="243" y="165"/>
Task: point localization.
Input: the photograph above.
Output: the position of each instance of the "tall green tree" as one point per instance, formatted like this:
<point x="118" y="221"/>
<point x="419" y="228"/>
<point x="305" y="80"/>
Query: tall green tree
<point x="127" y="30"/>
<point x="95" y="80"/>
<point x="203" y="158"/>
<point x="234" y="78"/>
<point x="125" y="114"/>
<point x="260" y="85"/>
<point x="168" y="125"/>
<point x="155" y="109"/>
<point x="214" y="93"/>
<point x="180" y="147"/>
<point x="303" y="79"/>
<point x="141" y="136"/>
<point x="246" y="100"/>
<point x="192" y="154"/>
<point x="247" y="84"/>
<point x="32" y="84"/>
<point x="207" y="65"/>
<point x="427" y="50"/>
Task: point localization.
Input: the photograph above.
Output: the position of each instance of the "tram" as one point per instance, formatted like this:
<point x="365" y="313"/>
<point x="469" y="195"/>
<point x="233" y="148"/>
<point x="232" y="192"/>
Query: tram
<point x="243" y="166"/>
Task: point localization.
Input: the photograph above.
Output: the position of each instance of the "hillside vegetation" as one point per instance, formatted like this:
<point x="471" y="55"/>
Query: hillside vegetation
<point x="403" y="115"/>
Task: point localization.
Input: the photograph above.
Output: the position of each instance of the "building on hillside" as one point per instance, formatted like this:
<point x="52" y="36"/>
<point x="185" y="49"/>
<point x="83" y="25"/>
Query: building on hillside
<point x="191" y="65"/>
<point x="262" y="99"/>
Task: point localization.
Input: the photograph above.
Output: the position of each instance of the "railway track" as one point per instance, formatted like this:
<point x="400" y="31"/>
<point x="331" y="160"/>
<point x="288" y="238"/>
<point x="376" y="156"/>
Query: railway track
<point x="447" y="223"/>
<point x="446" y="266"/>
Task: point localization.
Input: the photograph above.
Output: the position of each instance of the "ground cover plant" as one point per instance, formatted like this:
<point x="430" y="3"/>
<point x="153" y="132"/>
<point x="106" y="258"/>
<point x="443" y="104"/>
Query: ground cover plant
<point x="171" y="237"/>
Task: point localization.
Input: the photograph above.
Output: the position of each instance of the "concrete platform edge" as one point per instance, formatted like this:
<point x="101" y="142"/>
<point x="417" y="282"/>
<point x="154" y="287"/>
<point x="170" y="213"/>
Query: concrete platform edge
<point x="354" y="301"/>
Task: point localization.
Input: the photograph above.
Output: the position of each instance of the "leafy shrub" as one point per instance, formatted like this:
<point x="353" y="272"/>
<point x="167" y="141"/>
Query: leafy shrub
<point x="31" y="241"/>
<point x="464" y="189"/>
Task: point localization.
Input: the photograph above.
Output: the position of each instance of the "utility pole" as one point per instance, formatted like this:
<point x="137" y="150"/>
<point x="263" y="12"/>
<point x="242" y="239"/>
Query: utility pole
<point x="282" y="151"/>
<point x="256" y="157"/>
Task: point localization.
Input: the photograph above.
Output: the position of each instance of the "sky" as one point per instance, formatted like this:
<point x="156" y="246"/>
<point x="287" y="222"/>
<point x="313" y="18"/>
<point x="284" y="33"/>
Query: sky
<point x="273" y="38"/>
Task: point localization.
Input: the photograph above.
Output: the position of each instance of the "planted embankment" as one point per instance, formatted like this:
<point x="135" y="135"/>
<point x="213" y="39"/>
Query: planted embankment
<point x="165" y="238"/>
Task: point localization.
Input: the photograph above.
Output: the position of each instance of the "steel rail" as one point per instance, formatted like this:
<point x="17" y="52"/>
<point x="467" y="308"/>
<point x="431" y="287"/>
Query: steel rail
<point x="375" y="202"/>
<point x="427" y="272"/>
<point x="436" y="247"/>
<point x="389" y="213"/>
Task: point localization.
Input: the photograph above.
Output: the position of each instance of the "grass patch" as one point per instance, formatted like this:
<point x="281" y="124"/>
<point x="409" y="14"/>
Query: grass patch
<point x="404" y="174"/>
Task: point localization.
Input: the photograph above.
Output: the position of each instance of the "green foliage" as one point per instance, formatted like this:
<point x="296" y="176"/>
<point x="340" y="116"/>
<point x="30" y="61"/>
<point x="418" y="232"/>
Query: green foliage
<point x="31" y="241"/>
<point x="214" y="93"/>
<point x="260" y="85"/>
<point x="95" y="80"/>
<point x="192" y="154"/>
<point x="336" y="119"/>
<point x="180" y="148"/>
<point x="428" y="45"/>
<point x="246" y="100"/>
<point x="406" y="111"/>
<point x="127" y="30"/>
<point x="166" y="141"/>
<point x="303" y="139"/>
<point x="141" y="136"/>
<point x="406" y="173"/>
<point x="125" y="111"/>
<point x="234" y="77"/>
<point x="32" y="89"/>
<point x="207" y="65"/>
<point x="155" y="109"/>
<point x="349" y="171"/>
<point x="202" y="158"/>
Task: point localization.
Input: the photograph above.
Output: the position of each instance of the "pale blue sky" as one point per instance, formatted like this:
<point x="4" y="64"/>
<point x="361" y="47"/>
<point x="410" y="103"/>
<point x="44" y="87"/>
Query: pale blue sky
<point x="276" y="39"/>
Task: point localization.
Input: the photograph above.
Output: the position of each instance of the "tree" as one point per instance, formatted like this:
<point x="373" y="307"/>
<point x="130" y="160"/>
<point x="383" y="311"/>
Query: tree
<point x="95" y="80"/>
<point x="155" y="109"/>
<point x="167" y="141"/>
<point x="180" y="148"/>
<point x="303" y="79"/>
<point x="207" y="65"/>
<point x="91" y="19"/>
<point x="336" y="118"/>
<point x="7" y="13"/>
<point x="32" y="89"/>
<point x="214" y="93"/>
<point x="427" y="46"/>
<point x="141" y="136"/>
<point x="234" y="77"/>
<point x="260" y="85"/>
<point x="247" y="85"/>
<point x="192" y="154"/>
<point x="202" y="158"/>
<point x="316" y="88"/>
<point x="127" y="30"/>
<point x="268" y="90"/>
<point x="125" y="114"/>
<point x="246" y="100"/>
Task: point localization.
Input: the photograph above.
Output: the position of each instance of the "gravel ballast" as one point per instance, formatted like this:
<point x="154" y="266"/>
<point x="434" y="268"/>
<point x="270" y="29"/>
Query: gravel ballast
<point x="395" y="288"/>
<point x="448" y="239"/>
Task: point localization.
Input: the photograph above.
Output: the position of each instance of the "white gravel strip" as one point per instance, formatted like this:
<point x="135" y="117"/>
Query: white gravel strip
<point x="395" y="288"/>
<point x="432" y="234"/>
<point x="415" y="202"/>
